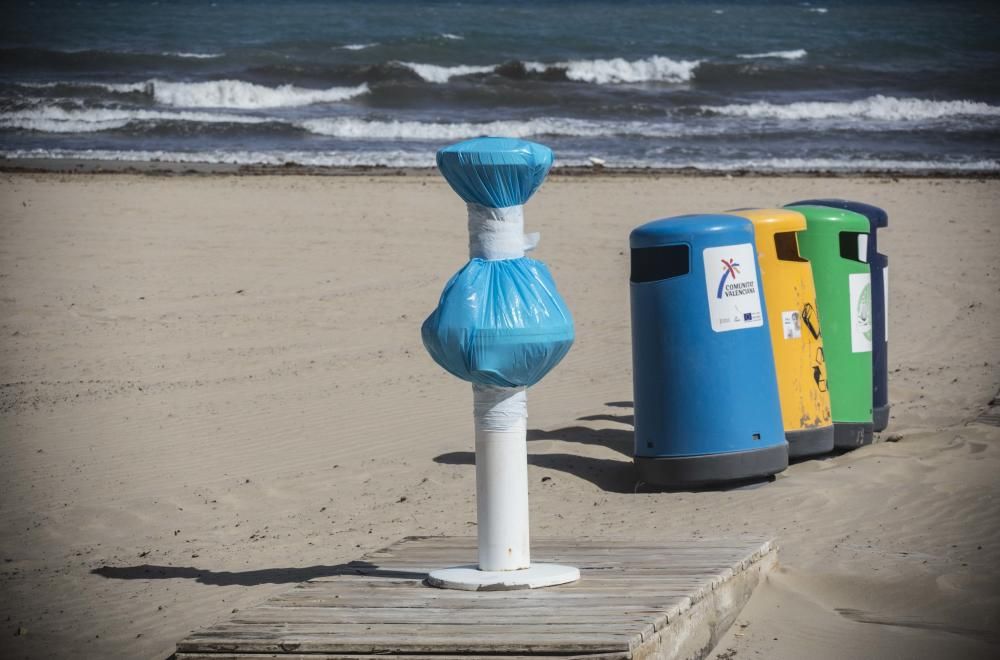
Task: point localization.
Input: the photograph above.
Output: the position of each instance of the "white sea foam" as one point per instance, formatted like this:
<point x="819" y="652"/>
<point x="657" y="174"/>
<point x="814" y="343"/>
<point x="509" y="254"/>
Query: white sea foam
<point x="236" y="94"/>
<point x="358" y="46"/>
<point x="454" y="37"/>
<point x="394" y="158"/>
<point x="818" y="10"/>
<point x="779" y="54"/>
<point x="399" y="158"/>
<point x="851" y="165"/>
<point x="122" y="88"/>
<point x="360" y="129"/>
<point x="194" y="56"/>
<point x="53" y="119"/>
<point x="246" y="96"/>
<point x="883" y="108"/>
<point x="619" y="70"/>
<point x="441" y="74"/>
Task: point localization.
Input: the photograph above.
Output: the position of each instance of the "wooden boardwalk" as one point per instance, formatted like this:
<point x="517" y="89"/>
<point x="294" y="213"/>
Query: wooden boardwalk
<point x="632" y="601"/>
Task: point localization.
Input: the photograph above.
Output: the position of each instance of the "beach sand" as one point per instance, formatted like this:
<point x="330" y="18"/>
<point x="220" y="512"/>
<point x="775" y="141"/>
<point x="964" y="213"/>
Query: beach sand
<point x="213" y="387"/>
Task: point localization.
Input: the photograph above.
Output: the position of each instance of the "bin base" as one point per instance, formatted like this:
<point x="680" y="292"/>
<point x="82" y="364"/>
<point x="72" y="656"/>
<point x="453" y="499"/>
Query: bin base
<point x="851" y="435"/>
<point x="810" y="442"/>
<point x="711" y="469"/>
<point x="880" y="418"/>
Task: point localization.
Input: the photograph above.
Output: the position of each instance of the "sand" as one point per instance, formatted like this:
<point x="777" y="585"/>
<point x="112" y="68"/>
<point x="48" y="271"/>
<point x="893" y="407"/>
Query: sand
<point x="214" y="387"/>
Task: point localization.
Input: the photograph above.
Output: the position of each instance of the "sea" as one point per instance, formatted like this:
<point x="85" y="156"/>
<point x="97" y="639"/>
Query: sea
<point x="832" y="85"/>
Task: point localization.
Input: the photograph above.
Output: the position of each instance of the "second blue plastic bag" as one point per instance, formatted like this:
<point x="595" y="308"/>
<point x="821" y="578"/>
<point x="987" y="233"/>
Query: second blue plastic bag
<point x="500" y="323"/>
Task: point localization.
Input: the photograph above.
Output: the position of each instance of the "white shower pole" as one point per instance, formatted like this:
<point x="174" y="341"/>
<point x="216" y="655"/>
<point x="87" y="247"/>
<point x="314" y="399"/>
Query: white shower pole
<point x="501" y="426"/>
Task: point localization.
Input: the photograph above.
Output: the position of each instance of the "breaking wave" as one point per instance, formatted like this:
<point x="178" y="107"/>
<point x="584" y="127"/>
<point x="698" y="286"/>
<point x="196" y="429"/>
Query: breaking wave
<point x="884" y="108"/>
<point x="441" y="74"/>
<point x="52" y="119"/>
<point x="246" y="96"/>
<point x="361" y="129"/>
<point x="234" y="94"/>
<point x="194" y="56"/>
<point x="399" y="158"/>
<point x="797" y="54"/>
<point x="601" y="72"/>
<point x="620" y="70"/>
<point x="350" y="158"/>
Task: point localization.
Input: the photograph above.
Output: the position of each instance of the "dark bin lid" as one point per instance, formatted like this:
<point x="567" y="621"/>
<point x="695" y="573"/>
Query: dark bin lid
<point x="876" y="216"/>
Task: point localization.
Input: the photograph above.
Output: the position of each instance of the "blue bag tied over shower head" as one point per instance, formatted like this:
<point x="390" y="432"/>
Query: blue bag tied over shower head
<point x="500" y="320"/>
<point x="493" y="171"/>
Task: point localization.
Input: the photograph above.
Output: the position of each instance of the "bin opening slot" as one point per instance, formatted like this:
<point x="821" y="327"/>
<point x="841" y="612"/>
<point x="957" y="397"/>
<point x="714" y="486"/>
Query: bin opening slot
<point x="786" y="246"/>
<point x="854" y="246"/>
<point x="662" y="262"/>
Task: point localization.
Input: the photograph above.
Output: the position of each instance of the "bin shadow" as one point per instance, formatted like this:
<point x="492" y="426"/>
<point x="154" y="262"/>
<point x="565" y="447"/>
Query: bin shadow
<point x="611" y="475"/>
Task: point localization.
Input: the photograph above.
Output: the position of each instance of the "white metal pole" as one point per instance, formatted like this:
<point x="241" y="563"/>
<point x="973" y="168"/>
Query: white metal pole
<point x="502" y="478"/>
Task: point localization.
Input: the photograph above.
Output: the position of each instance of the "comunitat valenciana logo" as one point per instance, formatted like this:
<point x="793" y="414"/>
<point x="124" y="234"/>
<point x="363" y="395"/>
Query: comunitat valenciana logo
<point x="728" y="284"/>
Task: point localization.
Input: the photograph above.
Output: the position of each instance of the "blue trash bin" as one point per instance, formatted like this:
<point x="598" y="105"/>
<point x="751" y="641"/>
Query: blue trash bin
<point x="706" y="396"/>
<point x="879" y="264"/>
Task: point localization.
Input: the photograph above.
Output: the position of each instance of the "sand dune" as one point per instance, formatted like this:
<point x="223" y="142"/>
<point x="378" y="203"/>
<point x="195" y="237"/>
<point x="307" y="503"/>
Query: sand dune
<point x="213" y="387"/>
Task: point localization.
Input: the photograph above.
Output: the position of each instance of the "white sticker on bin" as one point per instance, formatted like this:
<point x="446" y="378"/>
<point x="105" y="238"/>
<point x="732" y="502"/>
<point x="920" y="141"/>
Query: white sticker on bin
<point x="885" y="298"/>
<point x="860" y="287"/>
<point x="791" y="325"/>
<point x="732" y="287"/>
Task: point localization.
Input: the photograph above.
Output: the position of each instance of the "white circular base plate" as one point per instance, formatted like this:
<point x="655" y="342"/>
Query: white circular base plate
<point x="470" y="578"/>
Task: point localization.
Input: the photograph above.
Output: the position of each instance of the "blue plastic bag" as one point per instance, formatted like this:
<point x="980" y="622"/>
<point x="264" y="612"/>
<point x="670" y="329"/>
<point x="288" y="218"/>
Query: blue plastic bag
<point x="495" y="172"/>
<point x="499" y="322"/>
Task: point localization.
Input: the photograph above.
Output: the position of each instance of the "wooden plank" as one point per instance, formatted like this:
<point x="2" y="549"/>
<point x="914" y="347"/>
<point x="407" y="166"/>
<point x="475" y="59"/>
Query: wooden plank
<point x="417" y="641"/>
<point x="628" y="595"/>
<point x="396" y="615"/>
<point x="622" y="655"/>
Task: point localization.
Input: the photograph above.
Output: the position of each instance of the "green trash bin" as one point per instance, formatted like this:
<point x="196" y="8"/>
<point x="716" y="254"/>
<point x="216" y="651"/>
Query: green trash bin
<point x="836" y="242"/>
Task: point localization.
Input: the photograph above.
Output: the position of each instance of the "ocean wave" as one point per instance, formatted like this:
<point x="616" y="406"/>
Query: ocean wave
<point x="818" y="10"/>
<point x="234" y="94"/>
<point x="401" y="158"/>
<point x="882" y="108"/>
<point x="453" y="37"/>
<point x="361" y="129"/>
<point x="620" y="70"/>
<point x="393" y="158"/>
<point x="242" y="95"/>
<point x="358" y="46"/>
<point x="821" y="165"/>
<point x="601" y="72"/>
<point x="193" y="56"/>
<point x="779" y="54"/>
<point x="118" y="88"/>
<point x="53" y="119"/>
<point x="441" y="74"/>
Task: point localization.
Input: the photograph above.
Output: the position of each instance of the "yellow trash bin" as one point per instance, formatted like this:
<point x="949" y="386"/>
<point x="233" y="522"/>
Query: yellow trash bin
<point x="790" y="297"/>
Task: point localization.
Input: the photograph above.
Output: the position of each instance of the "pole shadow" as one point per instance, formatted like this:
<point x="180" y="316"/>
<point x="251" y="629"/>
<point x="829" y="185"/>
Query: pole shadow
<point x="250" y="578"/>
<point x="611" y="475"/>
<point x="618" y="440"/>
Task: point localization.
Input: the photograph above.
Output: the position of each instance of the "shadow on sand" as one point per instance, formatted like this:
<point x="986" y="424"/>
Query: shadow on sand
<point x="613" y="476"/>
<point x="249" y="578"/>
